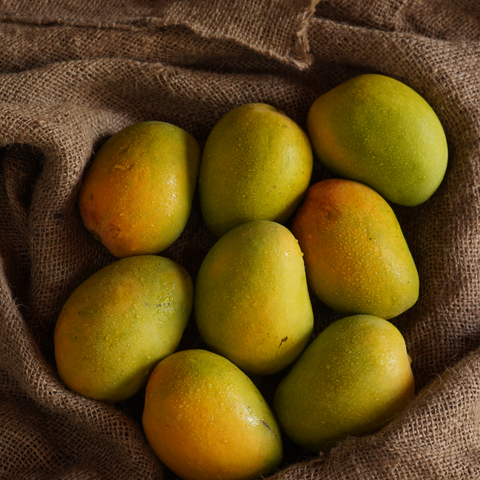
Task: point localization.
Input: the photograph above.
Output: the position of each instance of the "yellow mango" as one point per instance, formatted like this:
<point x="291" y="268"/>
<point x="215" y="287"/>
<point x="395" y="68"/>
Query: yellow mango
<point x="256" y="165"/>
<point x="252" y="303"/>
<point x="138" y="191"/>
<point x="351" y="380"/>
<point x="206" y="419"/>
<point x="119" y="323"/>
<point x="376" y="130"/>
<point x="356" y="257"/>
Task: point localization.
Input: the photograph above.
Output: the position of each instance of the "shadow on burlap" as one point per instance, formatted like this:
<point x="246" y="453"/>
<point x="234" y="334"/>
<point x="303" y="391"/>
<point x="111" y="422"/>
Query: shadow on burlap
<point x="71" y="76"/>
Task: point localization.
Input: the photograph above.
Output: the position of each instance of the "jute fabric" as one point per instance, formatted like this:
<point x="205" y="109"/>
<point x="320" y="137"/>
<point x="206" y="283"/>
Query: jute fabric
<point x="72" y="73"/>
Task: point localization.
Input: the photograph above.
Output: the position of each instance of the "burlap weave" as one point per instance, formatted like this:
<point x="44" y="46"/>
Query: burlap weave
<point x="72" y="72"/>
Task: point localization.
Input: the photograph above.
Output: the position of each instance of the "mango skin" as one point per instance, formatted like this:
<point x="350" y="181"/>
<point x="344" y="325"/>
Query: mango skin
<point x="351" y="380"/>
<point x="119" y="323"/>
<point x="378" y="131"/>
<point x="256" y="165"/>
<point x="137" y="195"/>
<point x="356" y="257"/>
<point x="252" y="303"/>
<point x="204" y="418"/>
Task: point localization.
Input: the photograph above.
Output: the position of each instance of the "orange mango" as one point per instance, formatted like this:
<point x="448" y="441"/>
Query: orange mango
<point x="205" y="419"/>
<point x="356" y="257"/>
<point x="138" y="192"/>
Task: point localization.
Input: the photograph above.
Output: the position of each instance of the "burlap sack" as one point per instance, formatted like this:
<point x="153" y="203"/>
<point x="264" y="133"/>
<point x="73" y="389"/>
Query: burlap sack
<point x="74" y="72"/>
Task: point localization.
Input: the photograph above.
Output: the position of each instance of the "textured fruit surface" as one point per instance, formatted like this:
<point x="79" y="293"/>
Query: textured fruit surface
<point x="379" y="131"/>
<point x="252" y="303"/>
<point x="205" y="419"/>
<point x="119" y="323"/>
<point x="356" y="257"/>
<point x="138" y="191"/>
<point x="352" y="379"/>
<point x="256" y="165"/>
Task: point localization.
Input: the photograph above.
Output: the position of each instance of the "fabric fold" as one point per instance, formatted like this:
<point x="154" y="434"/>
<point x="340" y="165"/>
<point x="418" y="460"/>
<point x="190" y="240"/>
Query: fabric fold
<point x="274" y="28"/>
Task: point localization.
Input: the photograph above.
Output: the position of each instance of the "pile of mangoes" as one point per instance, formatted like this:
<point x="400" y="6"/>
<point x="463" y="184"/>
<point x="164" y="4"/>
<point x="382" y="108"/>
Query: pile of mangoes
<point x="120" y="330"/>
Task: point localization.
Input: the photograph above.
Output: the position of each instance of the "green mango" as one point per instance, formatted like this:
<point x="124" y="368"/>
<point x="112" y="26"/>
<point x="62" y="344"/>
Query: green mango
<point x="252" y="303"/>
<point x="119" y="323"/>
<point x="379" y="131"/>
<point x="351" y="380"/>
<point x="256" y="165"/>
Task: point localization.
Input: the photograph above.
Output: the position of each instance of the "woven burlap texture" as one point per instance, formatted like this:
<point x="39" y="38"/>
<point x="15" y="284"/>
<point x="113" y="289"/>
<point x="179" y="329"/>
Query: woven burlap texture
<point x="73" y="73"/>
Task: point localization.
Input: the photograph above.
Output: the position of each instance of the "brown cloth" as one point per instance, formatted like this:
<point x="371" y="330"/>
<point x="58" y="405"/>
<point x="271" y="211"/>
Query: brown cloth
<point x="73" y="72"/>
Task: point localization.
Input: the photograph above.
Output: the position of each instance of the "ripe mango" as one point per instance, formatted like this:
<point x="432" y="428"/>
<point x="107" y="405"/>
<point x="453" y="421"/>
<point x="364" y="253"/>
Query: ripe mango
<point x="378" y="131"/>
<point x="351" y="380"/>
<point x="252" y="303"/>
<point x="119" y="323"/>
<point x="205" y="419"/>
<point x="256" y="165"/>
<point x="356" y="257"/>
<point x="138" y="191"/>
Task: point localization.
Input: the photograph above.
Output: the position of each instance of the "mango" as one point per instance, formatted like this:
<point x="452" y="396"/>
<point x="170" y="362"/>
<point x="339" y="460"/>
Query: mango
<point x="137" y="195"/>
<point x="256" y="165"/>
<point x="119" y="323"/>
<point x="356" y="257"/>
<point x="204" y="418"/>
<point x="376" y="130"/>
<point x="252" y="303"/>
<point x="351" y="380"/>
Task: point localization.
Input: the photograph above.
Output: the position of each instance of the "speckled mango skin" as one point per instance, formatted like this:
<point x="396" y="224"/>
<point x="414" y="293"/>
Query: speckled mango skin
<point x="351" y="380"/>
<point x="356" y="257"/>
<point x="256" y="165"/>
<point x="252" y="303"/>
<point x="205" y="419"/>
<point x="379" y="131"/>
<point x="119" y="323"/>
<point x="138" y="191"/>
